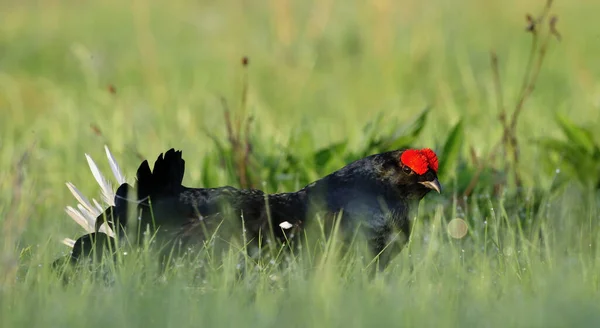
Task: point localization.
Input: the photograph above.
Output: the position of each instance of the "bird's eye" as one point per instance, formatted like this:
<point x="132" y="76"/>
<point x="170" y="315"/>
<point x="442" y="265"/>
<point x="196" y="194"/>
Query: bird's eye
<point x="406" y="169"/>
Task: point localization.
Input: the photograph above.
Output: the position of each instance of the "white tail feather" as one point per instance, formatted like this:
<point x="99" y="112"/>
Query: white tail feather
<point x="106" y="229"/>
<point x="79" y="218"/>
<point x="79" y="196"/>
<point x="85" y="214"/>
<point x="115" y="167"/>
<point x="69" y="242"/>
<point x="107" y="193"/>
<point x="98" y="206"/>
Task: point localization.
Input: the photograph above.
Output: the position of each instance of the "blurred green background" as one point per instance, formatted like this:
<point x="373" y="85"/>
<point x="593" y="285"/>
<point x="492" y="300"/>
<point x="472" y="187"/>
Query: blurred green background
<point x="143" y="76"/>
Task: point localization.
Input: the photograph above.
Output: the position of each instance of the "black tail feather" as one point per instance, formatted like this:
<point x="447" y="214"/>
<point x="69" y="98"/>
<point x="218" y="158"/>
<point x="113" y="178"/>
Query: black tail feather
<point x="166" y="178"/>
<point x="116" y="216"/>
<point x="93" y="243"/>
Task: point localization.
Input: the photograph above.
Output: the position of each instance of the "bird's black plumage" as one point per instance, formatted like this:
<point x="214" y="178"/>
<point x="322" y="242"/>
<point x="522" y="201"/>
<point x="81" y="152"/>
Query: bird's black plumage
<point x="377" y="193"/>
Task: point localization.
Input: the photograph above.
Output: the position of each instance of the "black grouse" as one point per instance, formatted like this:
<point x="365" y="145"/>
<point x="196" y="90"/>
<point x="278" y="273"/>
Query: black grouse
<point x="377" y="193"/>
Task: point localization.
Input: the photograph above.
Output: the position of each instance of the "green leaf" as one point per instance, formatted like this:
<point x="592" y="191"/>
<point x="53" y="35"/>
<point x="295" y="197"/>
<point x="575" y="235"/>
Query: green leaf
<point x="323" y="156"/>
<point x="573" y="159"/>
<point x="370" y="138"/>
<point x="579" y="136"/>
<point x="207" y="171"/>
<point x="556" y="145"/>
<point x="406" y="135"/>
<point x="372" y="127"/>
<point x="451" y="150"/>
<point x="302" y="143"/>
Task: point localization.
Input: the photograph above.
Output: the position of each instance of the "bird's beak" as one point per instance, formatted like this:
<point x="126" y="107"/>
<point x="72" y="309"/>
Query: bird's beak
<point x="435" y="185"/>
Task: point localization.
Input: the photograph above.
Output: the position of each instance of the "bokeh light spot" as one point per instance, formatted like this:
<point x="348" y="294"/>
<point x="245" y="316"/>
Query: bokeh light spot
<point x="457" y="228"/>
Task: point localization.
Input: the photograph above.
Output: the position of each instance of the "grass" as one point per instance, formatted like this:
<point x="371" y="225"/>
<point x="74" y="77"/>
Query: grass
<point x="318" y="71"/>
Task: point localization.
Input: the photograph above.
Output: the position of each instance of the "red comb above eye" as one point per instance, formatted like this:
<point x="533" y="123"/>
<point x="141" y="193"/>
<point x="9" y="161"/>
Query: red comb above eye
<point x="420" y="160"/>
<point x="431" y="158"/>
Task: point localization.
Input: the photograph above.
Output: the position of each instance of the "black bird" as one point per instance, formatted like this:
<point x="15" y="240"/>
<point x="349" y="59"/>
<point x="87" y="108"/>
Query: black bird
<point x="377" y="193"/>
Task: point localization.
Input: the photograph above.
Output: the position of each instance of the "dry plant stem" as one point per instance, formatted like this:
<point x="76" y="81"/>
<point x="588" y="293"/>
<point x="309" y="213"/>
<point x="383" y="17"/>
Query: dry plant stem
<point x="244" y="95"/>
<point x="532" y="71"/>
<point x="227" y="115"/>
<point x="240" y="148"/>
<point x="245" y="152"/>
<point x="545" y="12"/>
<point x="474" y="158"/>
<point x="528" y="89"/>
<point x="553" y="29"/>
<point x="482" y="164"/>
<point x="498" y="88"/>
<point x="500" y="100"/>
<point x="234" y="142"/>
<point x="509" y="138"/>
<point x="530" y="80"/>
<point x="509" y="141"/>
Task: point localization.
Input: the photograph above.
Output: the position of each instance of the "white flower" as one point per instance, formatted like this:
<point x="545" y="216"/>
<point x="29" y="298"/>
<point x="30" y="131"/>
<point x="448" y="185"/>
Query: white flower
<point x="85" y="213"/>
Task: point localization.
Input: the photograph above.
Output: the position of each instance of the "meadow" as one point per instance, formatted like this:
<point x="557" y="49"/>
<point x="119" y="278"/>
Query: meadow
<point x="326" y="82"/>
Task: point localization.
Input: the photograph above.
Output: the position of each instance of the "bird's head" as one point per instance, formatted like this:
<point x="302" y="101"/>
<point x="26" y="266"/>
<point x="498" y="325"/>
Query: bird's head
<point x="412" y="171"/>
